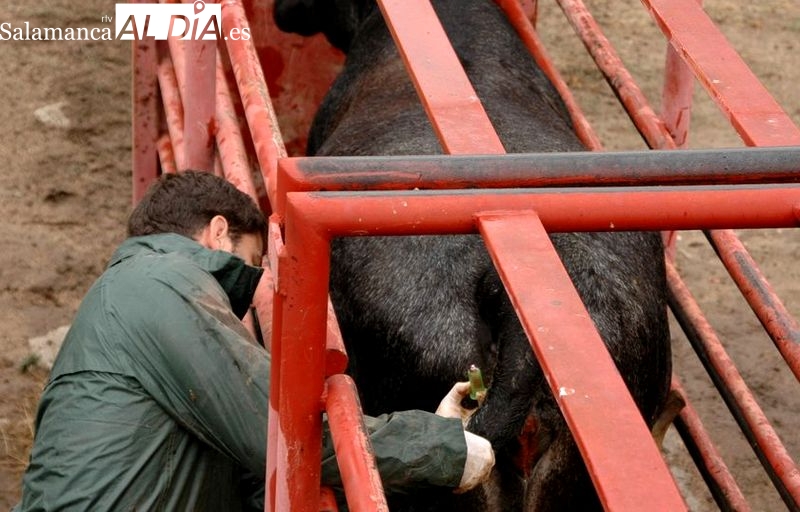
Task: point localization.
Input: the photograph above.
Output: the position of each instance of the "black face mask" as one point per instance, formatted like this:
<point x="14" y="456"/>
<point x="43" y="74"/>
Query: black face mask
<point x="240" y="285"/>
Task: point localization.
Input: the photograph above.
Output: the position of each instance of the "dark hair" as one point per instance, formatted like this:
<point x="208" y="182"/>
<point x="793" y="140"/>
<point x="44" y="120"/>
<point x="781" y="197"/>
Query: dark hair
<point x="185" y="202"/>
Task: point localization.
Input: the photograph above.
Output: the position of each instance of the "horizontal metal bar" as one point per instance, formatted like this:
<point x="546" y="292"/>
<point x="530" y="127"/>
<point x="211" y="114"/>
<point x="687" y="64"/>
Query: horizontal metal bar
<point x="586" y="168"/>
<point x="561" y="209"/>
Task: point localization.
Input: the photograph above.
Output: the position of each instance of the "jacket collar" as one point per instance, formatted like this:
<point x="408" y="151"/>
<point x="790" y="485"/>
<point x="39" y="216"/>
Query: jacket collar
<point x="237" y="278"/>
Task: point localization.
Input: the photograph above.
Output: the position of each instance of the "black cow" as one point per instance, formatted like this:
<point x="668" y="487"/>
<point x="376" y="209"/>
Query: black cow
<point x="416" y="312"/>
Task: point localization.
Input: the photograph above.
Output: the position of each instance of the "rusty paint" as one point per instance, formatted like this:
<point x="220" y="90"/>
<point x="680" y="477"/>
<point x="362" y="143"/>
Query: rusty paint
<point x="707" y="458"/>
<point x="755" y="426"/>
<point x="768" y="307"/>
<point x="360" y="477"/>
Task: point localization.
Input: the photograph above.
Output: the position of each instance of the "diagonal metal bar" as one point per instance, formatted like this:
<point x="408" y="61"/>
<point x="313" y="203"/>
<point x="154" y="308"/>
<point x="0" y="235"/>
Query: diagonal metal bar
<point x="544" y="298"/>
<point x="457" y="115"/>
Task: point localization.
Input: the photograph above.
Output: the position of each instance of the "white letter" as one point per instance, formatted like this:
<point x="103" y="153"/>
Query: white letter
<point x="172" y="24"/>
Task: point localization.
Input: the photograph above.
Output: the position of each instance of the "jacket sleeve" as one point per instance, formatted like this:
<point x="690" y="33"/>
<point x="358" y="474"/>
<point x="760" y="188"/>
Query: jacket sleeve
<point x="413" y="449"/>
<point x="202" y="366"/>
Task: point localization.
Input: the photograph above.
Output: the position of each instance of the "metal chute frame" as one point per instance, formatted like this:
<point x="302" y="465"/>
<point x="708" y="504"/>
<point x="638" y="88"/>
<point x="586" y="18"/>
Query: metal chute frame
<point x="195" y="107"/>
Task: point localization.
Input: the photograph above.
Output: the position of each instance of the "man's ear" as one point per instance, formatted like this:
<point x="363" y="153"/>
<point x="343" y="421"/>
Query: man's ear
<point x="213" y="234"/>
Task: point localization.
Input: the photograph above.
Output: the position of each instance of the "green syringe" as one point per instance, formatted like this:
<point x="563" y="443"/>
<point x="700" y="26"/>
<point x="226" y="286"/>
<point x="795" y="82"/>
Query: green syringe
<point x="477" y="390"/>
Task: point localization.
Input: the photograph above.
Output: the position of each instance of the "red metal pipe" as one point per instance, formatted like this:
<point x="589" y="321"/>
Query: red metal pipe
<point x="780" y="467"/>
<point x="301" y="309"/>
<point x="335" y="353"/>
<point x="779" y="324"/>
<point x="522" y="23"/>
<point x="173" y="107"/>
<point x="255" y="97"/>
<point x="354" y="454"/>
<point x="560" y="209"/>
<point x="676" y="97"/>
<point x="275" y="251"/>
<point x="650" y="126"/>
<point x="166" y="156"/>
<point x="145" y="118"/>
<point x="623" y="460"/>
<point x="235" y="161"/>
<point x="453" y="107"/>
<point x="327" y="500"/>
<point x="755" y="115"/>
<point x="707" y="458"/>
<point x="199" y="126"/>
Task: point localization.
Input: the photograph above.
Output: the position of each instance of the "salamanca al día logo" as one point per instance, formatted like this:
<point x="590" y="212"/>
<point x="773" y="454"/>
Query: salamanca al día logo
<point x="135" y="22"/>
<point x="197" y="21"/>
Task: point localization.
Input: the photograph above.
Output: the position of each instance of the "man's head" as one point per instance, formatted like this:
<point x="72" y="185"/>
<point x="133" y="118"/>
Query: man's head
<point x="204" y="207"/>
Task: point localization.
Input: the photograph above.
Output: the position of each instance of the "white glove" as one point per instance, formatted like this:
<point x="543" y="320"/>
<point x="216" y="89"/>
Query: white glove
<point x="480" y="461"/>
<point x="450" y="406"/>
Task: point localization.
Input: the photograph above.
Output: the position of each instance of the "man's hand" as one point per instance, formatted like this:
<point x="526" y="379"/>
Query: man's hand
<point x="480" y="461"/>
<point x="450" y="406"/>
<point x="480" y="456"/>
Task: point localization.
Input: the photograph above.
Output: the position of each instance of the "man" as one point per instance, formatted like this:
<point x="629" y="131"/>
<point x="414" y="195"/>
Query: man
<point x="158" y="397"/>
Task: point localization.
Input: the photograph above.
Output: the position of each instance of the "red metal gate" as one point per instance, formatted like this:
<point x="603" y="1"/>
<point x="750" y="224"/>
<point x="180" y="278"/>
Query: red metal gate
<point x="212" y="110"/>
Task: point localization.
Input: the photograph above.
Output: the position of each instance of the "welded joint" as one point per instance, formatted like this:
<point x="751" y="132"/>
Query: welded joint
<point x="489" y="215"/>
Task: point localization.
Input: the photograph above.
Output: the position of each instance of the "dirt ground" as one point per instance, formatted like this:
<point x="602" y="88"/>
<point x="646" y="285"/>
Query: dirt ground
<point x="65" y="194"/>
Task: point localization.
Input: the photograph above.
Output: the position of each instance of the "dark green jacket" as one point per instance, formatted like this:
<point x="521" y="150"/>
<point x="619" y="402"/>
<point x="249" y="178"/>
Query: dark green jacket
<point x="158" y="397"/>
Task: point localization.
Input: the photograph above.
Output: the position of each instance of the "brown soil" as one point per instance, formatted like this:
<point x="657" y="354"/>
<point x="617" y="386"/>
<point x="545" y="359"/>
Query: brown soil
<point x="65" y="192"/>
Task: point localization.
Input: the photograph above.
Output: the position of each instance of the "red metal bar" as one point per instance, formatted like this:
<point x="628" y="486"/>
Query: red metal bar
<point x="275" y="252"/>
<point x="650" y="126"/>
<point x="676" y="97"/>
<point x="299" y="71"/>
<point x="327" y="500"/>
<point x="612" y="445"/>
<point x="335" y="353"/>
<point x="707" y="458"/>
<point x="779" y="324"/>
<point x="766" y="443"/>
<point x="755" y="115"/>
<point x="235" y="162"/>
<point x="362" y="483"/>
<point x="676" y="111"/>
<point x="166" y="156"/>
<point x="456" y="113"/>
<point x="302" y="311"/>
<point x="173" y="107"/>
<point x="520" y="17"/>
<point x="258" y="109"/>
<point x="199" y="124"/>
<point x="145" y="117"/>
<point x="560" y="209"/>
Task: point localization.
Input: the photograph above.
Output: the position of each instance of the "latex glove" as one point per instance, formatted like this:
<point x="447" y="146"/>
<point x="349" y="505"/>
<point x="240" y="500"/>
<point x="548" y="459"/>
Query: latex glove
<point x="480" y="461"/>
<point x="450" y="406"/>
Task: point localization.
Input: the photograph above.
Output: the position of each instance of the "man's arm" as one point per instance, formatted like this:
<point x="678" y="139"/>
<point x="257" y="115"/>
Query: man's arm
<point x="203" y="368"/>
